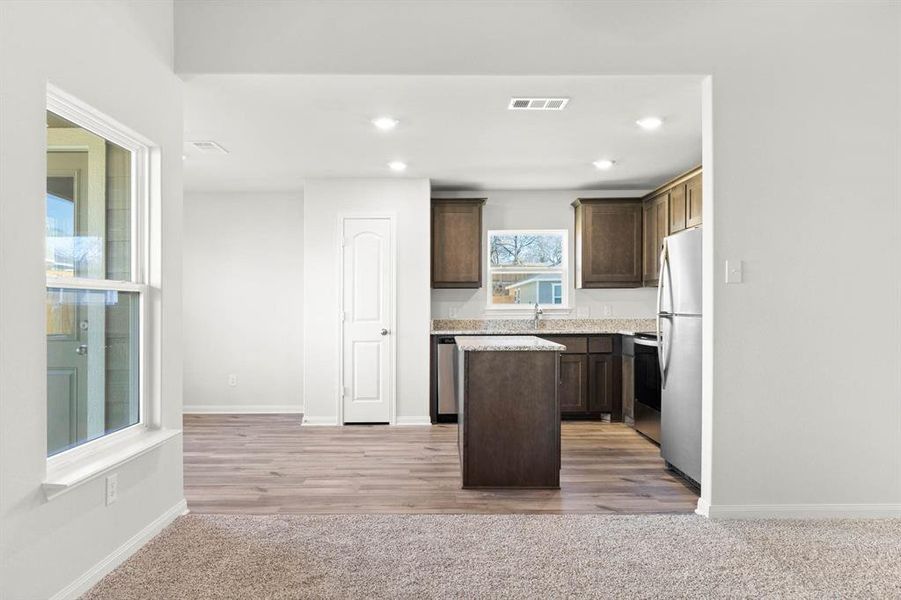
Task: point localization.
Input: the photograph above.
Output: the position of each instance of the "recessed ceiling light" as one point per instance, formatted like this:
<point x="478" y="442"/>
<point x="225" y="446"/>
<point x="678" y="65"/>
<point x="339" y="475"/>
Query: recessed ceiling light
<point x="385" y="123"/>
<point x="603" y="164"/>
<point x="398" y="166"/>
<point x="649" y="123"/>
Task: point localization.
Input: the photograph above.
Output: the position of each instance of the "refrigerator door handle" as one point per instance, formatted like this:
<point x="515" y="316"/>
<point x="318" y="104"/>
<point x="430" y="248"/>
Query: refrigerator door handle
<point x="661" y="352"/>
<point x="663" y="257"/>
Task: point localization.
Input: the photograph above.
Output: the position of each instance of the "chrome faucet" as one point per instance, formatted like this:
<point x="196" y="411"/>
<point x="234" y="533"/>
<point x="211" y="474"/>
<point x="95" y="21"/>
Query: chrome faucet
<point x="537" y="318"/>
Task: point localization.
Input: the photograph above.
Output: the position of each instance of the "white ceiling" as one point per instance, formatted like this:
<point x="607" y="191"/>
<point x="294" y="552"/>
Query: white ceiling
<point x="455" y="130"/>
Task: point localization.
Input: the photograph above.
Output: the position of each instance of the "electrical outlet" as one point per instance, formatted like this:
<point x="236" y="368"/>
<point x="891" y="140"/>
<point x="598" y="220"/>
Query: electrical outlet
<point x="608" y="310"/>
<point x="452" y="312"/>
<point x="112" y="488"/>
<point x="232" y="379"/>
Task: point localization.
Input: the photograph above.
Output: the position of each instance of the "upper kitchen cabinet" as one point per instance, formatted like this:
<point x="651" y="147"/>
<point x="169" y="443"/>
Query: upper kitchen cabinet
<point x="694" y="201"/>
<point x="656" y="227"/>
<point x="457" y="242"/>
<point x="608" y="242"/>
<point x="677" y="208"/>
<point x="674" y="206"/>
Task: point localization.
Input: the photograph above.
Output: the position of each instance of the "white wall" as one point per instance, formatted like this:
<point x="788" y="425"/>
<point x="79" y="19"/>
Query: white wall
<point x="243" y="302"/>
<point x="115" y="56"/>
<point x="801" y="182"/>
<point x="517" y="209"/>
<point x="324" y="201"/>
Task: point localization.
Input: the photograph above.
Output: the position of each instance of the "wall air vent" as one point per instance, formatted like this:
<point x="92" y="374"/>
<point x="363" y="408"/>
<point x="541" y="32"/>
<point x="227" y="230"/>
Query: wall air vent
<point x="208" y="147"/>
<point x="538" y="103"/>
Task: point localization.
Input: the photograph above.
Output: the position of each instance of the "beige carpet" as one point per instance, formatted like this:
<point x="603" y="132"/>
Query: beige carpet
<point x="510" y="556"/>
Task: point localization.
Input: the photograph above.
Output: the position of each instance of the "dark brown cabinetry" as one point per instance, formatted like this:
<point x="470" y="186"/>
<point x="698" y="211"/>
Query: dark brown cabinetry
<point x="509" y="430"/>
<point x="677" y="211"/>
<point x="457" y="243"/>
<point x="600" y="388"/>
<point x="589" y="382"/>
<point x="573" y="385"/>
<point x="693" y="201"/>
<point x="656" y="227"/>
<point x="674" y="206"/>
<point x="608" y="242"/>
<point x="589" y="379"/>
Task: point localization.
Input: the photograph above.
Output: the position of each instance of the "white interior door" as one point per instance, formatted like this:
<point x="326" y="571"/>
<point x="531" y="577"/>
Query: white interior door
<point x="368" y="300"/>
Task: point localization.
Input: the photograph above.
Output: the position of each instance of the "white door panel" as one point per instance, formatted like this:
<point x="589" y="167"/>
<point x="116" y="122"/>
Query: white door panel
<point x="367" y="328"/>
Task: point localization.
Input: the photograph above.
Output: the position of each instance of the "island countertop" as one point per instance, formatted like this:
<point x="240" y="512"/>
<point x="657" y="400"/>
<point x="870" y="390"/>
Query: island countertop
<point x="507" y="343"/>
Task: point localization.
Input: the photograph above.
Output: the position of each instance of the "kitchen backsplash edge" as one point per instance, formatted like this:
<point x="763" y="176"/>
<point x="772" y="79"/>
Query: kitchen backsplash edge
<point x="525" y="326"/>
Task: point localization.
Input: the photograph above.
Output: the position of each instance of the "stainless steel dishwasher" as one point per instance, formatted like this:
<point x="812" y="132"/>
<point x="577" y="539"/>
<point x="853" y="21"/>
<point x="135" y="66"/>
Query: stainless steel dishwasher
<point x="447" y="380"/>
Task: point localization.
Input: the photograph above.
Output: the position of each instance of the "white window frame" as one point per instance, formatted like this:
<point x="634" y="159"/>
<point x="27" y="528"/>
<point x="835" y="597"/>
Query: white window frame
<point x="563" y="270"/>
<point x="86" y="117"/>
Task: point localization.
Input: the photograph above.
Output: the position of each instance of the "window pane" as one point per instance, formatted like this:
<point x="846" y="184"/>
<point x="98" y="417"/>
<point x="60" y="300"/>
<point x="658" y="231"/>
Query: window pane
<point x="525" y="250"/>
<point x="526" y="288"/>
<point x="92" y="365"/>
<point x="88" y="202"/>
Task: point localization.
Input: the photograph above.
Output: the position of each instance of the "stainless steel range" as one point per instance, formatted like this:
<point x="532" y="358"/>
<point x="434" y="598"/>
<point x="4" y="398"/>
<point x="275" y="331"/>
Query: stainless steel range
<point x="647" y="385"/>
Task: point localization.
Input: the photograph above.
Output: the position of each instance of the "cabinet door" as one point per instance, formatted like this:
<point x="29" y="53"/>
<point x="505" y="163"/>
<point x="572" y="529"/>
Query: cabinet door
<point x="677" y="209"/>
<point x="610" y="243"/>
<point x="457" y="243"/>
<point x="694" y="201"/>
<point x="662" y="204"/>
<point x="573" y="385"/>
<point x="649" y="242"/>
<point x="656" y="228"/>
<point x="600" y="378"/>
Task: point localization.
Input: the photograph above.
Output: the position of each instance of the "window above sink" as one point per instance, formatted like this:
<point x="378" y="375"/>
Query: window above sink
<point x="526" y="266"/>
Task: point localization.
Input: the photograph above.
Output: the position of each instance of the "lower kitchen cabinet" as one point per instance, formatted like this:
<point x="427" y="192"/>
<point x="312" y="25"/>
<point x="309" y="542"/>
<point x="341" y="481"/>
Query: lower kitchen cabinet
<point x="589" y="381"/>
<point x="600" y="388"/>
<point x="573" y="383"/>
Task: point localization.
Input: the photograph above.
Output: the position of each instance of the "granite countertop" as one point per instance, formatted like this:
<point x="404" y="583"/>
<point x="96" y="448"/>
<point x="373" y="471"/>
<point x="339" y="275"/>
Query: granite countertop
<point x="545" y="326"/>
<point x="507" y="343"/>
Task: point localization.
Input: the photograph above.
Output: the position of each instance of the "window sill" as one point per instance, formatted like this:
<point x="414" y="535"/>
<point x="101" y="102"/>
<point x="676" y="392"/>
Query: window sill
<point x="62" y="478"/>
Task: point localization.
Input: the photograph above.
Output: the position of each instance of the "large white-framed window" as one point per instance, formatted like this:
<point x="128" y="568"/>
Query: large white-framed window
<point x="96" y="262"/>
<point x="528" y="266"/>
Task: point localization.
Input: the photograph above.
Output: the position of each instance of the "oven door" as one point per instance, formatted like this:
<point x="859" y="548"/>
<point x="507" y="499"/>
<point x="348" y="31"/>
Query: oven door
<point x="647" y="389"/>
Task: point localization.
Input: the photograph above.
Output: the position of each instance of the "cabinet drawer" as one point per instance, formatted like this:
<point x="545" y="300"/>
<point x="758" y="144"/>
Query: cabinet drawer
<point x="574" y="345"/>
<point x="600" y="344"/>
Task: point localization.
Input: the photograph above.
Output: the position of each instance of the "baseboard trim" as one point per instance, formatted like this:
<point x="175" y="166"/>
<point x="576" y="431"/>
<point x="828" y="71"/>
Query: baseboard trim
<point x="320" y="421"/>
<point x="241" y="409"/>
<point x="801" y="511"/>
<point x="414" y="420"/>
<point x="81" y="585"/>
<point x="703" y="508"/>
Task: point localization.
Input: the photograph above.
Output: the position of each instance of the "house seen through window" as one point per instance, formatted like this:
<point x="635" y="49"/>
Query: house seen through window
<point x="527" y="266"/>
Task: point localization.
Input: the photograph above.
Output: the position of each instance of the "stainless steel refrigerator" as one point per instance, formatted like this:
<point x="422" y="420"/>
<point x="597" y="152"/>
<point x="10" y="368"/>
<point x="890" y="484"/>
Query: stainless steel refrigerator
<point x="679" y="335"/>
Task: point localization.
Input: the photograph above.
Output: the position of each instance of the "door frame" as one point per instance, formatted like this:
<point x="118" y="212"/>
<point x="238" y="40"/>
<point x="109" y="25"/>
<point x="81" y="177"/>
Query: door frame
<point x="391" y="217"/>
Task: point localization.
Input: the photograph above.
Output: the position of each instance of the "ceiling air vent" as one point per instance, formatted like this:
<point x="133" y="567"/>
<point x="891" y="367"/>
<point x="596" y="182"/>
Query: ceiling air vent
<point x="538" y="103"/>
<point x="208" y="147"/>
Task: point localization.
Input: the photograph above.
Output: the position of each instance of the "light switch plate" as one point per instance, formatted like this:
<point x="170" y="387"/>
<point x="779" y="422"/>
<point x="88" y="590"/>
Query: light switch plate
<point x="734" y="271"/>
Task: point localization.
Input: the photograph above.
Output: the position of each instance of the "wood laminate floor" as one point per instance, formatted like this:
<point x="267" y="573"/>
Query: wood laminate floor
<point x="270" y="464"/>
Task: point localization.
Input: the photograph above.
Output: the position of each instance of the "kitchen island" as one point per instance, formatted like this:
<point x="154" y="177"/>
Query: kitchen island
<point x="508" y="411"/>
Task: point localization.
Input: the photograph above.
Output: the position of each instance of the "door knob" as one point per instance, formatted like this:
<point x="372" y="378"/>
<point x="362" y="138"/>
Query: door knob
<point x="384" y="332"/>
<point x="82" y="349"/>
